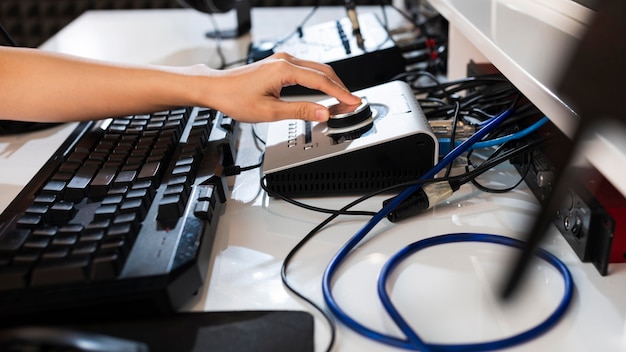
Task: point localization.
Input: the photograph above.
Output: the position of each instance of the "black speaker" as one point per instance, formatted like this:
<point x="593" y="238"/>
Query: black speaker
<point x="242" y="12"/>
<point x="210" y="6"/>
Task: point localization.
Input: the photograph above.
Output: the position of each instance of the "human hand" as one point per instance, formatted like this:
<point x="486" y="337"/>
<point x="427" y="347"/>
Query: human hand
<point x="251" y="93"/>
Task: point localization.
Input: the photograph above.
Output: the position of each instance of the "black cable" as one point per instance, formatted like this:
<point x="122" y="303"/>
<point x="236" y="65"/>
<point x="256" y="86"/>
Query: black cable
<point x="492" y="160"/>
<point x="473" y="80"/>
<point x="486" y="189"/>
<point x="305" y="240"/>
<point x="487" y="165"/>
<point x="310" y="207"/>
<point x="256" y="135"/>
<point x="299" y="29"/>
<point x="527" y="111"/>
<point x="483" y="96"/>
<point x="507" y="189"/>
<point x="383" y="9"/>
<point x="489" y="100"/>
<point x="432" y="56"/>
<point x="499" y="157"/>
<point x="232" y="170"/>
<point x="412" y="77"/>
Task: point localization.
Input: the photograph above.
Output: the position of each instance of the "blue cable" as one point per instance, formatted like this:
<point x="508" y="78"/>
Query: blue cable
<point x="345" y="250"/>
<point x="500" y="140"/>
<point x="527" y="335"/>
<point x="517" y="135"/>
<point x="414" y="343"/>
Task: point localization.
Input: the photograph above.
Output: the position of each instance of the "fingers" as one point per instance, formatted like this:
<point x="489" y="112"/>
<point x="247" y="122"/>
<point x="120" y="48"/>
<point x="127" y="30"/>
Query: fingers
<point x="318" y="66"/>
<point x="300" y="110"/>
<point x="280" y="70"/>
<point x="318" y="76"/>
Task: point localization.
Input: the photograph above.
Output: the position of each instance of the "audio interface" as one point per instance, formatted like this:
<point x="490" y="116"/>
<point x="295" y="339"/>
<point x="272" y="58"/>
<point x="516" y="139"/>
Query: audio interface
<point x="383" y="141"/>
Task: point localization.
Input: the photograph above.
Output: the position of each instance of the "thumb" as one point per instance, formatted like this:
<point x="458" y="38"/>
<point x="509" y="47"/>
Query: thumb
<point x="309" y="111"/>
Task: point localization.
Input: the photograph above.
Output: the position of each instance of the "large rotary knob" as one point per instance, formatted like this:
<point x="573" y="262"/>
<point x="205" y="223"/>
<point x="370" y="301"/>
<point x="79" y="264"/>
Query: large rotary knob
<point x="349" y="121"/>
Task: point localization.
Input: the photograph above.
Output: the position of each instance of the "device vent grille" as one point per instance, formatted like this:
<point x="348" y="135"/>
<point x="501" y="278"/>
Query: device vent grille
<point x="338" y="182"/>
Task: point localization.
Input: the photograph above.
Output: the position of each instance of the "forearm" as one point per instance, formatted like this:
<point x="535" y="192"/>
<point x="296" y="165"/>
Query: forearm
<point x="69" y="88"/>
<point x="41" y="86"/>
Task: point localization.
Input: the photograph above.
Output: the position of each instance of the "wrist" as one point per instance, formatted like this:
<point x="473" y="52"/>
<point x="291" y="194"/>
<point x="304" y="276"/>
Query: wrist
<point x="196" y="84"/>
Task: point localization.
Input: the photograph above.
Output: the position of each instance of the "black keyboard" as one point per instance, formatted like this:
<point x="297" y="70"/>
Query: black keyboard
<point x="121" y="218"/>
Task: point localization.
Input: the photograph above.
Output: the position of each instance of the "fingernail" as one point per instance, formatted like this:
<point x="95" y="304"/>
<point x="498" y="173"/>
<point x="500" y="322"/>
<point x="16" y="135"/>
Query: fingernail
<point x="321" y="115"/>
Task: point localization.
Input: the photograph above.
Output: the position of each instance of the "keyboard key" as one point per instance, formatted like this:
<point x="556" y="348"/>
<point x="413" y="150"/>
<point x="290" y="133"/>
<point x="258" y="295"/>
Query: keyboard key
<point x="70" y="230"/>
<point x="48" y="231"/>
<point x="112" y="200"/>
<point x="115" y="245"/>
<point x="25" y="258"/>
<point x="92" y="236"/>
<point x="85" y="248"/>
<point x="117" y="190"/>
<point x="70" y="167"/>
<point x="125" y="224"/>
<point x="89" y="140"/>
<point x="125" y="178"/>
<point x="61" y="212"/>
<point x="181" y="170"/>
<point x="82" y="224"/>
<point x="138" y="193"/>
<point x="170" y="209"/>
<point x="149" y="171"/>
<point x="105" y="212"/>
<point x="102" y="181"/>
<point x="55" y="253"/>
<point x="75" y="190"/>
<point x="37" y="209"/>
<point x="182" y="190"/>
<point x="45" y="199"/>
<point x="57" y="272"/>
<point x="203" y="210"/>
<point x="29" y="221"/>
<point x="207" y="193"/>
<point x="54" y="188"/>
<point x="206" y="202"/>
<point x="135" y="206"/>
<point x="105" y="266"/>
<point x="65" y="241"/>
<point x="37" y="242"/>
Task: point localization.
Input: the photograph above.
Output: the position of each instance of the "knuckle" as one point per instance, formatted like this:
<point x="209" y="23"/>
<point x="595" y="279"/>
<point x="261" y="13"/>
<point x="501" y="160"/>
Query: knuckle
<point x="281" y="55"/>
<point x="301" y="111"/>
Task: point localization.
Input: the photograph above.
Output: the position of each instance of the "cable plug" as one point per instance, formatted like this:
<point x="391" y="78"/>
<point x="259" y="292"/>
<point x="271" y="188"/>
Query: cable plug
<point x="443" y="129"/>
<point x="424" y="198"/>
<point x="231" y="170"/>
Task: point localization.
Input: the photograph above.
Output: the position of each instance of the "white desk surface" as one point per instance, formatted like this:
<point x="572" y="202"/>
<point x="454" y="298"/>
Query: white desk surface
<point x="448" y="293"/>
